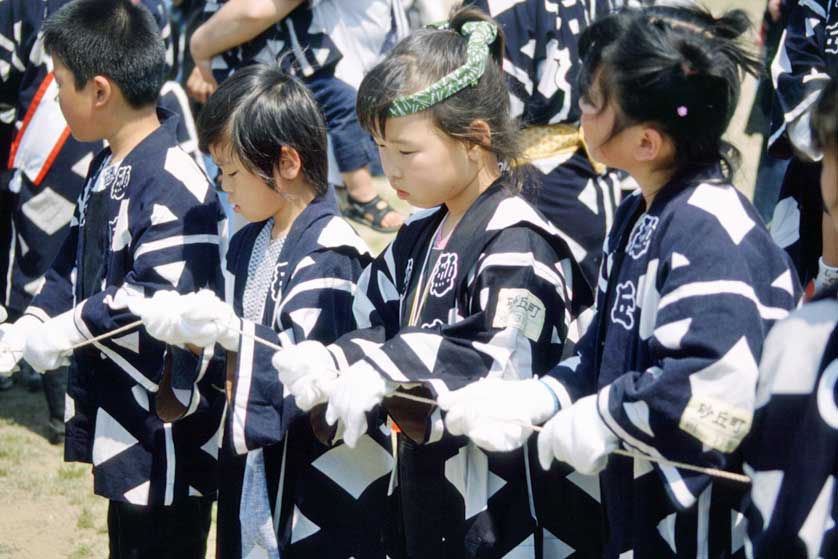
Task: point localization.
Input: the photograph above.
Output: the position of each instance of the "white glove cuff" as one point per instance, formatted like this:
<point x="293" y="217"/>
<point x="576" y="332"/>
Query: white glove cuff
<point x="319" y="355"/>
<point x="27" y="323"/>
<point x="542" y="400"/>
<point x="66" y="324"/>
<point x="827" y="275"/>
<point x="589" y="414"/>
<point x="230" y="333"/>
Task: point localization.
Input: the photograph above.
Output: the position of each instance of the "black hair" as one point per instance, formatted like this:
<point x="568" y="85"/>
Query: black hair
<point x="258" y="110"/>
<point x="676" y="67"/>
<point x="825" y="117"/>
<point x="424" y="57"/>
<point x="111" y="38"/>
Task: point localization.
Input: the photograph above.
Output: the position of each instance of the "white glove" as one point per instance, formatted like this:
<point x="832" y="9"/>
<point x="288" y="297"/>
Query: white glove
<point x="497" y="414"/>
<point x="827" y="275"/>
<point x="3" y="314"/>
<point x="48" y="344"/>
<point x="13" y="340"/>
<point x="356" y="391"/>
<point x="306" y="370"/>
<point x="578" y="436"/>
<point x="198" y="318"/>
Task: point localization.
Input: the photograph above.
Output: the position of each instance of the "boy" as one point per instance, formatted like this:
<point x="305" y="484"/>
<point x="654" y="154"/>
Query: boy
<point x="147" y="220"/>
<point x="47" y="167"/>
<point x="792" y="454"/>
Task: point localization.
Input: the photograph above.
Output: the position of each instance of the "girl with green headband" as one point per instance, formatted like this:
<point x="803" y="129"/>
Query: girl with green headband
<point x="476" y="287"/>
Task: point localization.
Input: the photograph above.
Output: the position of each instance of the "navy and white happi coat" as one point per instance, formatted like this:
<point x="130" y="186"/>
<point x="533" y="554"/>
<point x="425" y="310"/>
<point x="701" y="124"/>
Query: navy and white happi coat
<point x="48" y="165"/>
<point x="542" y="65"/>
<point x="495" y="301"/>
<point x="152" y="222"/>
<point x="807" y="54"/>
<point x="688" y="290"/>
<point x="320" y="501"/>
<point x="792" y="453"/>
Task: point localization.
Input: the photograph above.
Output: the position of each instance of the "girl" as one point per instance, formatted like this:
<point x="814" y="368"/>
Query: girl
<point x="477" y="285"/>
<point x="294" y="268"/>
<point x="690" y="285"/>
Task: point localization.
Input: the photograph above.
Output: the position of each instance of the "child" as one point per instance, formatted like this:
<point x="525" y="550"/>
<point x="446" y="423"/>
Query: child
<point x="792" y="454"/>
<point x="48" y="166"/>
<point x="691" y="283"/>
<point x="477" y="285"/>
<point x="147" y="220"/>
<point x="295" y="268"/>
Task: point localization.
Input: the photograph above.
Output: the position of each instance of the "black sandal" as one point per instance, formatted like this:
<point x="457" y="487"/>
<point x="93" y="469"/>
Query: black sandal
<point x="369" y="213"/>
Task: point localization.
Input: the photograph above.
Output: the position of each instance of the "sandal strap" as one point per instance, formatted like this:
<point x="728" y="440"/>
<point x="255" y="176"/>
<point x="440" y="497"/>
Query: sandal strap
<point x="372" y="211"/>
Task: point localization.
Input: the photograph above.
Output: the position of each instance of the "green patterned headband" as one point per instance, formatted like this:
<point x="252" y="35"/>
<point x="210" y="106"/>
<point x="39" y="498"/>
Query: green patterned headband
<point x="480" y="35"/>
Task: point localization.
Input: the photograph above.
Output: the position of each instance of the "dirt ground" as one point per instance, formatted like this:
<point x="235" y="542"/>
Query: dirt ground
<point x="47" y="507"/>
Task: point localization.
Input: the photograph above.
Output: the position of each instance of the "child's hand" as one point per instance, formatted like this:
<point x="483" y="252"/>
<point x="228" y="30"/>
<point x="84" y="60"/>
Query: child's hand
<point x="49" y="345"/>
<point x="307" y="371"/>
<point x="201" y="319"/>
<point x="13" y="341"/>
<point x="355" y="392"/>
<point x="497" y="414"/>
<point x="577" y="436"/>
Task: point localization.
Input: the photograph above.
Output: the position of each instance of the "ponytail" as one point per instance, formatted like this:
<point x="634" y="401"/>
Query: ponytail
<point x="677" y="67"/>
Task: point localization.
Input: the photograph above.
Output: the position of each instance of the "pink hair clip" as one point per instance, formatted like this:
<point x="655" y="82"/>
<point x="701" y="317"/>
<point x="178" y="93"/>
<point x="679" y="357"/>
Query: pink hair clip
<point x="682" y="111"/>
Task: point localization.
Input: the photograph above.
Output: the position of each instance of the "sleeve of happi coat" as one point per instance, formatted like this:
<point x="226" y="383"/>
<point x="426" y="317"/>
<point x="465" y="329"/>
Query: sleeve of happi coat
<point x="704" y="307"/>
<point x="16" y="30"/>
<point x="56" y="293"/>
<point x="512" y="322"/>
<point x="375" y="307"/>
<point x="171" y="237"/>
<point x="316" y="305"/>
<point x="799" y="72"/>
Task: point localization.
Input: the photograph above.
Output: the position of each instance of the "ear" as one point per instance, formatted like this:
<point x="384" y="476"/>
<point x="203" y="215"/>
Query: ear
<point x="290" y="165"/>
<point x="481" y="134"/>
<point x="103" y="91"/>
<point x="650" y="145"/>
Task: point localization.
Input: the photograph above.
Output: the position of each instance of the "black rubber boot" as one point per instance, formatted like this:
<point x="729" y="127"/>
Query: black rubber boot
<point x="55" y="387"/>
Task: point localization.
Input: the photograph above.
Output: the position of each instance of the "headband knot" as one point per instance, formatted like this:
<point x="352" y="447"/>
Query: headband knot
<point x="480" y="35"/>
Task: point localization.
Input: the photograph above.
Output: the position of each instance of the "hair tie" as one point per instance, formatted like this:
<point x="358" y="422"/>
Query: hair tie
<point x="480" y="35"/>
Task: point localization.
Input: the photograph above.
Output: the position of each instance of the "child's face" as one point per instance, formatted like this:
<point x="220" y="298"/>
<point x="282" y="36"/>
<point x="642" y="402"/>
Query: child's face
<point x="424" y="166"/>
<point x="829" y="183"/>
<point x="76" y="104"/>
<point x="599" y="120"/>
<point x="246" y="192"/>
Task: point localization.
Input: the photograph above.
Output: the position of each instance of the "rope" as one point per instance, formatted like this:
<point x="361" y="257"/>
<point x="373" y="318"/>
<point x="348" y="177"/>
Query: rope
<point x="637" y="455"/>
<point x="714" y="472"/>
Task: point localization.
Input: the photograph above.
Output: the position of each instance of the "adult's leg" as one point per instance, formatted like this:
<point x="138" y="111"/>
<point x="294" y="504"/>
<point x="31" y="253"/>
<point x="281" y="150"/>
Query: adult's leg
<point x="352" y="151"/>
